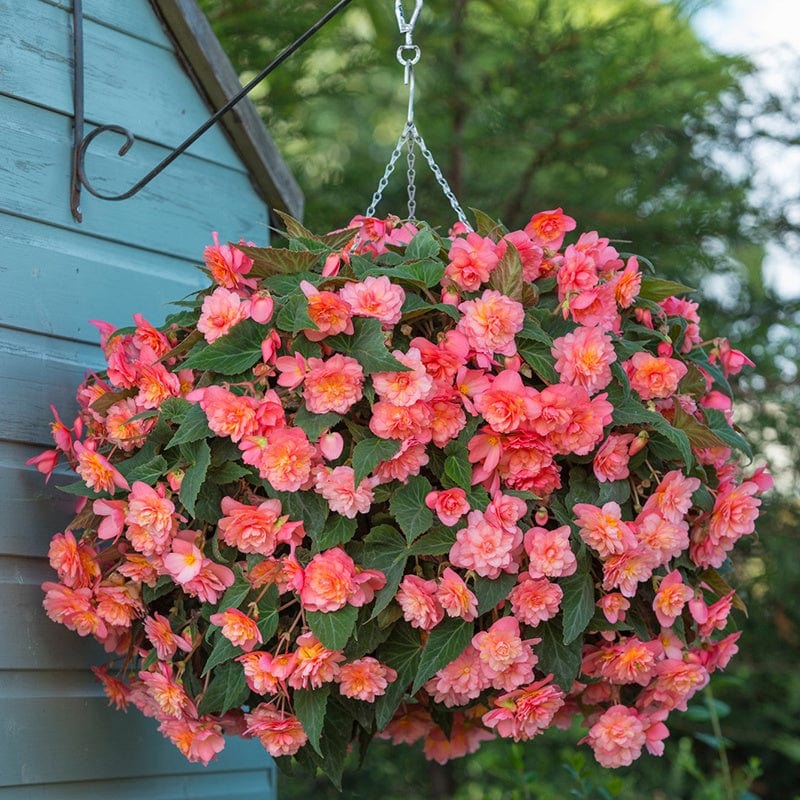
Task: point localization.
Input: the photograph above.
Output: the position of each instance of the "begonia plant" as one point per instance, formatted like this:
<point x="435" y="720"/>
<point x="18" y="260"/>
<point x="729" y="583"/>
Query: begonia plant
<point x="386" y="482"/>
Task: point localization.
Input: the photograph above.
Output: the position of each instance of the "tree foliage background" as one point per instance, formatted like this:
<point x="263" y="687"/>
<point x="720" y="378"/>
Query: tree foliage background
<point x="617" y="112"/>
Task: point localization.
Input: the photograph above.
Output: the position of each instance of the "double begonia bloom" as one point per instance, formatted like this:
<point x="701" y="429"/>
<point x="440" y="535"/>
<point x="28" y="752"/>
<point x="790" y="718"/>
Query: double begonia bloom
<point x="239" y="629"/>
<point x="74" y="561"/>
<point x="672" y="498"/>
<point x="337" y="486"/>
<point x="281" y="734"/>
<point x="221" y="310"/>
<point x="549" y="553"/>
<point x="404" y="388"/>
<point x="374" y="297"/>
<point x="547" y="228"/>
<point x="419" y="602"/>
<point x="199" y="740"/>
<point x="460" y="681"/>
<point x="159" y="631"/>
<point x="610" y="462"/>
<point x="535" y="600"/>
<point x="333" y="385"/>
<point x="618" y="736"/>
<point x="227" y="264"/>
<point x="525" y="712"/>
<point x="490" y="323"/>
<point x="486" y="548"/>
<point x="96" y="470"/>
<point x="328" y="312"/>
<point x="449" y="504"/>
<point x="654" y="377"/>
<point x="257" y="529"/>
<point x="671" y="597"/>
<point x="505" y="659"/>
<point x="365" y="679"/>
<point x="332" y="580"/>
<point x="228" y="414"/>
<point x="507" y="403"/>
<point x="472" y="260"/>
<point x="455" y="597"/>
<point x="584" y="357"/>
<point x="284" y="458"/>
<point x="315" y="664"/>
<point x="603" y="529"/>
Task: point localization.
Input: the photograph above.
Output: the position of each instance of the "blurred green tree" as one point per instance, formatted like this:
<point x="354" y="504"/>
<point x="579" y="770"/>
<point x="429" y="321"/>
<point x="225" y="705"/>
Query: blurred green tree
<point x="616" y="111"/>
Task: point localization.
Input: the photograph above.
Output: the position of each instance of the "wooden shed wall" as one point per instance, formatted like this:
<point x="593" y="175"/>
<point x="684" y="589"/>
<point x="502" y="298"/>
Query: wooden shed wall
<point x="59" y="738"/>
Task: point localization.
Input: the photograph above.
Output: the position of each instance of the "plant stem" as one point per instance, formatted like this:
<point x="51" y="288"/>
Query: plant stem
<point x="723" y="755"/>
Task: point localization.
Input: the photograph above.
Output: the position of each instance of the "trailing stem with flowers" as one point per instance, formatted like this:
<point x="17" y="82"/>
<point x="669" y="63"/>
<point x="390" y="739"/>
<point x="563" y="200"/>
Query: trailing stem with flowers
<point x="383" y="482"/>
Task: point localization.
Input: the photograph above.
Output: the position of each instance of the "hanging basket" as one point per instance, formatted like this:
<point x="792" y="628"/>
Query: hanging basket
<point x="386" y="482"/>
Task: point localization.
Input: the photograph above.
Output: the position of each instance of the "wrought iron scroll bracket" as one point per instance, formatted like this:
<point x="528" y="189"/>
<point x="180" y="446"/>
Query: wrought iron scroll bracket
<point x="81" y="143"/>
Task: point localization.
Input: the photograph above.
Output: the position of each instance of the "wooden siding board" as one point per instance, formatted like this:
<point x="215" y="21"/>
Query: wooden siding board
<point x="55" y="280"/>
<point x="127" y="81"/>
<point x="173" y="215"/>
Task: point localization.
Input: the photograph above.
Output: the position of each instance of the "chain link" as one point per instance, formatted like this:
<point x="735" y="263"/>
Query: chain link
<point x="408" y="54"/>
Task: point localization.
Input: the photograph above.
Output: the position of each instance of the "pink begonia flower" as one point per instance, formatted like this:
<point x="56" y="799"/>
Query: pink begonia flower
<point x="228" y="414"/>
<point x="227" y="264"/>
<point x="73" y="561"/>
<point x="687" y="309"/>
<point x="594" y="307"/>
<point x="96" y="470"/>
<point x="614" y="605"/>
<point x="239" y="629"/>
<point x="547" y="228"/>
<point x="460" y="681"/>
<point x="390" y="421"/>
<point x="122" y="429"/>
<point x="472" y="260"/>
<point x="530" y="254"/>
<point x="670" y="598"/>
<point x="628" y="569"/>
<point x="465" y="737"/>
<point x="576" y="274"/>
<point x="667" y="539"/>
<point x="266" y="673"/>
<point x="257" y="529"/>
<point x="490" y="323"/>
<point x="404" y="388"/>
<point x="261" y="306"/>
<point x="114" y="512"/>
<point x="162" y="686"/>
<point x="156" y="384"/>
<point x="653" y="377"/>
<point x="332" y="580"/>
<point x="610" y="462"/>
<point x="280" y="733"/>
<point x="365" y="679"/>
<point x="447" y="417"/>
<point x="199" y="740"/>
<point x="149" y="508"/>
<point x="618" y="736"/>
<point x="443" y="360"/>
<point x="603" y="529"/>
<point x="449" y="504"/>
<point x="337" y="486"/>
<point x="221" y="310"/>
<point x="549" y="552"/>
<point x="408" y="461"/>
<point x="184" y="561"/>
<point x="525" y="712"/>
<point x="421" y="607"/>
<point x="455" y="597"/>
<point x="485" y="547"/>
<point x="284" y="458"/>
<point x="158" y="630"/>
<point x="270" y="346"/>
<point x="505" y="659"/>
<point x="333" y="385"/>
<point x="628" y="283"/>
<point x="584" y="357"/>
<point x="507" y="403"/>
<point x="408" y="726"/>
<point x="374" y="297"/>
<point x="535" y="600"/>
<point x="45" y="462"/>
<point x="328" y="312"/>
<point x="672" y="498"/>
<point x="732" y="361"/>
<point x="315" y="664"/>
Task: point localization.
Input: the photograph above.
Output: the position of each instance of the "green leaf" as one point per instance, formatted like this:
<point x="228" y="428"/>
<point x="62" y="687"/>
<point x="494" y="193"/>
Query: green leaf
<point x="314" y="424"/>
<point x="222" y="651"/>
<point x="164" y="585"/>
<point x="436" y="543"/>
<point x="367" y="346"/>
<point x="310" y="706"/>
<point x="459" y="471"/>
<point x="719" y="425"/>
<point x="564" y="661"/>
<point x="368" y="453"/>
<point x="656" y="289"/>
<point x="232" y="353"/>
<point x="193" y="426"/>
<point x="408" y="507"/>
<point x="310" y="507"/>
<point x="338" y="530"/>
<point x="632" y="412"/>
<point x="236" y="594"/>
<point x="335" y="742"/>
<point x="421" y="274"/>
<point x="537" y="356"/>
<point x="506" y="277"/>
<point x="293" y="315"/>
<point x="401" y="651"/>
<point x="150" y="472"/>
<point x="268" y="613"/>
<point x="268" y="261"/>
<point x="386" y="550"/>
<point x="228" y="473"/>
<point x="486" y="226"/>
<point x="578" y="604"/>
<point x="424" y="245"/>
<point x="700" y="435"/>
<point x="227" y="689"/>
<point x="532" y="329"/>
<point x="195" y="475"/>
<point x="445" y="642"/>
<point x="333" y="628"/>
<point x="491" y="591"/>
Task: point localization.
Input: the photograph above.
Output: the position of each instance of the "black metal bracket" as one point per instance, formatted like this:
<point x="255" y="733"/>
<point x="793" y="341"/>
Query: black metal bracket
<point x="81" y="143"/>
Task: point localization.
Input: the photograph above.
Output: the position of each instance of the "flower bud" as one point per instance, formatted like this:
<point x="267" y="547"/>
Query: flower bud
<point x="541" y="516"/>
<point x="331" y="446"/>
<point x="175" y="479"/>
<point x="639" y="443"/>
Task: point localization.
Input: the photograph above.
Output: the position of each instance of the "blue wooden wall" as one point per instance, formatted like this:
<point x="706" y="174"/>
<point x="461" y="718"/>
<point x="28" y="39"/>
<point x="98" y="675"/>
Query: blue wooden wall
<point x="59" y="740"/>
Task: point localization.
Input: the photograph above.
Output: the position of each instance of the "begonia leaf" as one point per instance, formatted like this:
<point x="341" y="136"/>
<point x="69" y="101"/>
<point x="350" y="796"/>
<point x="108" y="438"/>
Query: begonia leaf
<point x="149" y="472"/>
<point x="193" y="426"/>
<point x="314" y="424"/>
<point x="222" y="651"/>
<point x="267" y="607"/>
<point x="401" y="651"/>
<point x="232" y="353"/>
<point x="700" y="435"/>
<point x="445" y="642"/>
<point x="195" y="474"/>
<point x="335" y="742"/>
<point x="486" y="226"/>
<point x="367" y="346"/>
<point x="408" y="507"/>
<point x="228" y="472"/>
<point x="386" y="550"/>
<point x="310" y="507"/>
<point x="424" y="245"/>
<point x="368" y="453"/>
<point x="436" y="543"/>
<point x="367" y="635"/>
<point x="338" y="530"/>
<point x="577" y="605"/>
<point x="164" y="585"/>
<point x="293" y="314"/>
<point x="562" y="660"/>
<point x="657" y="289"/>
<point x="718" y="423"/>
<point x="236" y="594"/>
<point x="459" y="471"/>
<point x="333" y="628"/>
<point x="277" y="261"/>
<point x="310" y="706"/>
<point x="506" y="277"/>
<point x="537" y="356"/>
<point x="491" y="591"/>
<point x="227" y="690"/>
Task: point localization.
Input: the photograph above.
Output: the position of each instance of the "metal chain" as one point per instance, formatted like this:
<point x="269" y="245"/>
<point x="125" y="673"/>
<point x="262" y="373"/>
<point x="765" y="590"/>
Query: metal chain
<point x="408" y="54"/>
